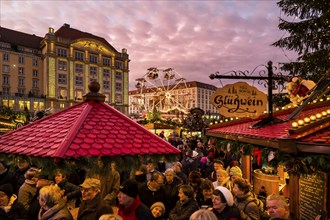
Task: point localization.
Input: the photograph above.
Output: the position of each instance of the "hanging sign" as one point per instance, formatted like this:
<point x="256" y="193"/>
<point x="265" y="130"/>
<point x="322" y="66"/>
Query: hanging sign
<point x="239" y="100"/>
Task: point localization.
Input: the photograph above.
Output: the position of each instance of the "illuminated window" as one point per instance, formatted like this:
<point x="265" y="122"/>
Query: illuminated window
<point x="62" y="105"/>
<point x="62" y="65"/>
<point x="79" y="95"/>
<point x="35" y="73"/>
<point x="24" y="104"/>
<point x="107" y="97"/>
<point x="63" y="94"/>
<point x="38" y="106"/>
<point x="20" y="70"/>
<point x="8" y="103"/>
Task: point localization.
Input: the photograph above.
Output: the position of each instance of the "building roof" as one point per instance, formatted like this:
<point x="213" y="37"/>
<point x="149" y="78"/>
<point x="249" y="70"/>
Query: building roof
<point x="73" y="34"/>
<point x="90" y="128"/>
<point x="311" y="137"/>
<point x="19" y="38"/>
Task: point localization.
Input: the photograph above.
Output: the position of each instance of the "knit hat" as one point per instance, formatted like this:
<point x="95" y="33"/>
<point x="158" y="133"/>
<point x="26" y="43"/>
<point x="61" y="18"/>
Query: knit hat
<point x="90" y="182"/>
<point x="235" y="171"/>
<point x="130" y="188"/>
<point x="7" y="189"/>
<point x="203" y="160"/>
<point x="158" y="204"/>
<point x="227" y="194"/>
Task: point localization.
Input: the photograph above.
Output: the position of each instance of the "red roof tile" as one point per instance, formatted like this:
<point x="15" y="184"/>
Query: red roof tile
<point x="277" y="131"/>
<point x="86" y="129"/>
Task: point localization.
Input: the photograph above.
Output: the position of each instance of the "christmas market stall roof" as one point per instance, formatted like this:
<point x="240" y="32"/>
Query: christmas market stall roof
<point x="90" y="128"/>
<point x="309" y="132"/>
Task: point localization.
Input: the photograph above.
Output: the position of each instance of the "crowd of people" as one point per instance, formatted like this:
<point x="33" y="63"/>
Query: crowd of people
<point x="203" y="183"/>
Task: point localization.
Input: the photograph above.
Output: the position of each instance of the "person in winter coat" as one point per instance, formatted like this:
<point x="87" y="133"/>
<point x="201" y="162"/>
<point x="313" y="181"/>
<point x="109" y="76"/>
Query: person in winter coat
<point x="186" y="205"/>
<point x="10" y="208"/>
<point x="244" y="200"/>
<point x="205" y="199"/>
<point x="223" y="204"/>
<point x="28" y="188"/>
<point x="130" y="207"/>
<point x="53" y="207"/>
<point x="223" y="179"/>
<point x="71" y="193"/>
<point x="5" y="175"/>
<point x="171" y="185"/>
<point x="92" y="206"/>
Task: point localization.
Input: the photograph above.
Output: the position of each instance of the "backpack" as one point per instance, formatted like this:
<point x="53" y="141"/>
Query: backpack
<point x="262" y="212"/>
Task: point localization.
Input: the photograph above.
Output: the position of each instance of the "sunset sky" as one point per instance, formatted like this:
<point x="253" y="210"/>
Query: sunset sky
<point x="196" y="38"/>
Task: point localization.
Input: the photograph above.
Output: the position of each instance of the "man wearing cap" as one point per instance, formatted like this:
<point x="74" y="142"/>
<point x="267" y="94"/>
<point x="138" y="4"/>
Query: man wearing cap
<point x="130" y="207"/>
<point x="92" y="206"/>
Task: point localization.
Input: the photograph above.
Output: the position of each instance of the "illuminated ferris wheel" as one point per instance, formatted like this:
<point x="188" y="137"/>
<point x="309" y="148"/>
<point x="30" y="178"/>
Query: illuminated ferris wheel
<point x="164" y="90"/>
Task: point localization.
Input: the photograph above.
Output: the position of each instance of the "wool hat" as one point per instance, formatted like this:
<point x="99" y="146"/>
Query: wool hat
<point x="227" y="194"/>
<point x="7" y="189"/>
<point x="130" y="188"/>
<point x="158" y="204"/>
<point x="90" y="182"/>
<point x="203" y="160"/>
<point x="235" y="171"/>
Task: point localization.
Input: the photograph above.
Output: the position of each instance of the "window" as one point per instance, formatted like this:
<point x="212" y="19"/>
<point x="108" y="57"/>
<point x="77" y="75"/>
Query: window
<point x="106" y="85"/>
<point x="5" y="91"/>
<point x="79" y="80"/>
<point x="20" y="70"/>
<point x="20" y="91"/>
<point x="5" y="68"/>
<point x="5" y="80"/>
<point x="79" y="68"/>
<point x="106" y="62"/>
<point x="63" y="93"/>
<point x="118" y="87"/>
<point x="119" y="98"/>
<point x="35" y="73"/>
<point x="118" y="65"/>
<point x="119" y="75"/>
<point x="61" y="65"/>
<point x="61" y="52"/>
<point x="34" y="62"/>
<point x="93" y="70"/>
<point x="21" y="82"/>
<point x="5" y="57"/>
<point x="20" y="59"/>
<point x="106" y="73"/>
<point x="35" y="83"/>
<point x="61" y="78"/>
<point x="79" y="95"/>
<point x="79" y="55"/>
<point x="92" y="58"/>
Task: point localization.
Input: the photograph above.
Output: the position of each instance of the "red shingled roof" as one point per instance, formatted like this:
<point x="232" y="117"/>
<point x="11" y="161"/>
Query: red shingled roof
<point x="319" y="134"/>
<point x="19" y="38"/>
<point x="86" y="129"/>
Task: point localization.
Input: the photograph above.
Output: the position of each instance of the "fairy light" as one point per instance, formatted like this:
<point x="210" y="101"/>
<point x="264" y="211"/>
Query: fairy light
<point x="324" y="113"/>
<point x="313" y="117"/>
<point x="307" y="120"/>
<point x="300" y="122"/>
<point x="318" y="115"/>
<point x="294" y="124"/>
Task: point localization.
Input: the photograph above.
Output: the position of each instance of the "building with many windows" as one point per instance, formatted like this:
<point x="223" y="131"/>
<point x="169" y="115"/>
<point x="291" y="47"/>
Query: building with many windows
<point x="54" y="71"/>
<point x="196" y="95"/>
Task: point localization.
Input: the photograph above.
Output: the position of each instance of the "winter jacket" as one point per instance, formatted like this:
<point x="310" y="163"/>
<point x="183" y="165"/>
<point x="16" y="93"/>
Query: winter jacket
<point x="93" y="209"/>
<point x="71" y="191"/>
<point x="136" y="211"/>
<point x="250" y="209"/>
<point x="14" y="210"/>
<point x="58" y="212"/>
<point x="183" y="210"/>
<point x="26" y="193"/>
<point x="110" y="184"/>
<point x="171" y="194"/>
<point x="229" y="213"/>
<point x="149" y="197"/>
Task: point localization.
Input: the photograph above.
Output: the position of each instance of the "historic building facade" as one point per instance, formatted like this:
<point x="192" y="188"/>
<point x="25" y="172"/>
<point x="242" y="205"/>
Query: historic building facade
<point x="54" y="71"/>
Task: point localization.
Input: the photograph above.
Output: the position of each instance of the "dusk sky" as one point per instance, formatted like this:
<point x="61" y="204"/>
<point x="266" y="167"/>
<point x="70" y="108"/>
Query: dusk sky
<point x="196" y="38"/>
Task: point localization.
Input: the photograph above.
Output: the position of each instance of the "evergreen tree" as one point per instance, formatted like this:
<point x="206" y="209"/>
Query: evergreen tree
<point x="309" y="36"/>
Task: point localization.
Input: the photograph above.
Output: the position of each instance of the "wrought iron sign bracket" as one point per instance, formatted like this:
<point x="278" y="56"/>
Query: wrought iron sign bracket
<point x="270" y="78"/>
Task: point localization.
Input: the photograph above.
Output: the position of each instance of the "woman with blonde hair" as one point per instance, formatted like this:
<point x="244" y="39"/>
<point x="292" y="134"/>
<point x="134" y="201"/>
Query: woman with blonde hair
<point x="223" y="179"/>
<point x="52" y="204"/>
<point x="203" y="214"/>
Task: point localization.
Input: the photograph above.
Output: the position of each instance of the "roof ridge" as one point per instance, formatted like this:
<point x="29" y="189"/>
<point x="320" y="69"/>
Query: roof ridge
<point x="74" y="130"/>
